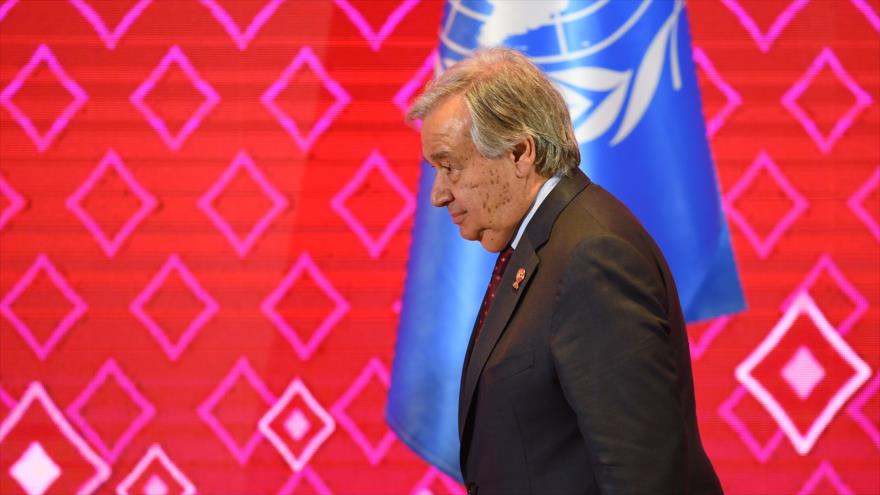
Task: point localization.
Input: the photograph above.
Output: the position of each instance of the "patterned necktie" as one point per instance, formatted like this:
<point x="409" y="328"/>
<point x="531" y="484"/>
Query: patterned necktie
<point x="500" y="264"/>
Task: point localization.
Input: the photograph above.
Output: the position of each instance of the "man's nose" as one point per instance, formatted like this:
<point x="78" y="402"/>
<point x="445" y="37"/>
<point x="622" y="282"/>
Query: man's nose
<point x="440" y="194"/>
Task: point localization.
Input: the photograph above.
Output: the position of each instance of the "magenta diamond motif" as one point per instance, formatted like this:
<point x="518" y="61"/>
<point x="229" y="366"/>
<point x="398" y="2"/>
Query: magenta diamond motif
<point x="42" y="264"/>
<point x="803" y="441"/>
<point x="305" y="139"/>
<point x="279" y="203"/>
<point x="43" y="55"/>
<point x="110" y="37"/>
<point x="174" y="349"/>
<point x="827" y="265"/>
<point x="433" y="477"/>
<point x="374" y="453"/>
<point x="855" y="203"/>
<point x="698" y="347"/>
<point x="416" y="82"/>
<point x="763" y="163"/>
<point x="311" y="477"/>
<point x="111" y="244"/>
<point x="16" y="202"/>
<point x="375" y="38"/>
<point x="825" y="471"/>
<point x="286" y="410"/>
<point x="377" y="162"/>
<point x="803" y="372"/>
<point x="790" y="100"/>
<point x="5" y="7"/>
<point x="727" y="411"/>
<point x="242" y="369"/>
<point x="211" y="98"/>
<point x="305" y="265"/>
<point x="75" y="410"/>
<point x="855" y="410"/>
<point x="733" y="99"/>
<point x="242" y="38"/>
<point x="765" y="39"/>
<point x="156" y="454"/>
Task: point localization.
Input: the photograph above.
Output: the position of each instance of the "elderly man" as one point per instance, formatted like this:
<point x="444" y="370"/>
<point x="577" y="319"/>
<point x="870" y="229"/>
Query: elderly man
<point x="577" y="378"/>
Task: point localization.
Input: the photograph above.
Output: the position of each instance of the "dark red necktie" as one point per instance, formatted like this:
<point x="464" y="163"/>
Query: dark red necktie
<point x="500" y="264"/>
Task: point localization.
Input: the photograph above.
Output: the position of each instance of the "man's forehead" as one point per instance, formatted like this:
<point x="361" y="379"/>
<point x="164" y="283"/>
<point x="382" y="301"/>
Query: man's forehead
<point x="444" y="126"/>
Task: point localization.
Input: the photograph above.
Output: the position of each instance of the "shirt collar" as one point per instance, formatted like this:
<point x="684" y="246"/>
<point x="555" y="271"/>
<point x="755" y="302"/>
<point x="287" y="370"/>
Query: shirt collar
<point x="542" y="195"/>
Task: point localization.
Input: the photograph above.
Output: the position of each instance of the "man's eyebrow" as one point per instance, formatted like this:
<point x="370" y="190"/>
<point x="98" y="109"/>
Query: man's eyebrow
<point x="439" y="155"/>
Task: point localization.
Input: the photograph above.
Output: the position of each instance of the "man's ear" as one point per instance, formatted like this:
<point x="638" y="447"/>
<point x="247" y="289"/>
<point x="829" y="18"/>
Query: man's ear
<point x="524" y="156"/>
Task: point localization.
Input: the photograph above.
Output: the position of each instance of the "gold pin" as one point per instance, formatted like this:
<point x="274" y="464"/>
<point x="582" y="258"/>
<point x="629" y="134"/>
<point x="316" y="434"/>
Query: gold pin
<point x="520" y="276"/>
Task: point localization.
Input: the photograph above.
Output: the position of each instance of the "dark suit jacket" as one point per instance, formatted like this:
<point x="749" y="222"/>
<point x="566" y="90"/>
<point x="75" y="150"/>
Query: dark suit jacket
<point x="580" y="380"/>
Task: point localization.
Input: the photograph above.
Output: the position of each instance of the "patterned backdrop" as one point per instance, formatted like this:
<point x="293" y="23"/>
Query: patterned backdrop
<point x="205" y="214"/>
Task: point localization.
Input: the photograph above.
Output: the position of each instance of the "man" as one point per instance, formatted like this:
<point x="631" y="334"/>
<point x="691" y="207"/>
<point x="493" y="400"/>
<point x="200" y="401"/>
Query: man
<point x="577" y="378"/>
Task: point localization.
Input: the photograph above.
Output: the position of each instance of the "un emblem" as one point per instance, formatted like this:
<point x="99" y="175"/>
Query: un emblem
<point x="605" y="57"/>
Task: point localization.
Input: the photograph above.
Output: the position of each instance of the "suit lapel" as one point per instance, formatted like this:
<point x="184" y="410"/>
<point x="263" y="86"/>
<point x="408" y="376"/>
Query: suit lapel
<point x="506" y="298"/>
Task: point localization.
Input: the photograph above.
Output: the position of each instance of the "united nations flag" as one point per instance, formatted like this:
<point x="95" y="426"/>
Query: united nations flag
<point x="626" y="71"/>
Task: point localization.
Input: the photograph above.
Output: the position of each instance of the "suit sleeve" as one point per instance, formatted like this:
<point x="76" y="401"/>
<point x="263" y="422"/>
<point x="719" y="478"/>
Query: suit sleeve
<point x="616" y="366"/>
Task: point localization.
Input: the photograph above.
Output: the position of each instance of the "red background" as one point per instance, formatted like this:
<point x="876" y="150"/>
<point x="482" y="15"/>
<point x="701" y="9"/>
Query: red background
<point x="830" y="242"/>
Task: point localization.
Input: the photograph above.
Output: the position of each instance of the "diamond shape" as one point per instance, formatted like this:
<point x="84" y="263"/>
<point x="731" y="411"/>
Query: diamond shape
<point x="155" y="486"/>
<point x="827" y="265"/>
<point x="764" y="245"/>
<point x="110" y="38"/>
<point x="242" y="368"/>
<point x="242" y="38"/>
<point x="855" y="203"/>
<point x="375" y="38"/>
<point x="803" y="372"/>
<point x="790" y="100"/>
<point x="297" y="425"/>
<point x="803" y="441"/>
<point x="405" y="94"/>
<point x="156" y="454"/>
<point x="42" y="264"/>
<point x="708" y="332"/>
<point x="175" y="56"/>
<point x="269" y="307"/>
<point x="75" y="410"/>
<point x="374" y="452"/>
<point x="825" y="471"/>
<point x="374" y="245"/>
<point x="727" y="411"/>
<point x="111" y="244"/>
<point x="206" y="203"/>
<point x="16" y="202"/>
<point x="36" y="469"/>
<point x="856" y="410"/>
<point x="435" y="482"/>
<point x="305" y="140"/>
<point x="765" y="40"/>
<point x="173" y="350"/>
<point x="732" y="97"/>
<point x="43" y="55"/>
<point x="311" y="477"/>
<point x="297" y="389"/>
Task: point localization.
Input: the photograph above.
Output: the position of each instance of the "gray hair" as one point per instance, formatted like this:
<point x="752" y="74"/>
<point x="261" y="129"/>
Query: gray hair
<point x="508" y="98"/>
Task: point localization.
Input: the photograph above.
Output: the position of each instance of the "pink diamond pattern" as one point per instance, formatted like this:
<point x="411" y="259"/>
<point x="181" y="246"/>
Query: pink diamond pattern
<point x="173" y="350"/>
<point x="734" y="100"/>
<point x="432" y="475"/>
<point x="858" y="414"/>
<point x="157" y="454"/>
<point x="374" y="453"/>
<point x="111" y="244"/>
<point x="764" y="246"/>
<point x="42" y="349"/>
<point x="790" y="100"/>
<point x="43" y="55"/>
<point x="16" y="203"/>
<point x="825" y="471"/>
<point x="110" y="38"/>
<point x="376" y="38"/>
<point x="803" y="441"/>
<point x="304" y="139"/>
<point x="375" y="161"/>
<point x="5" y="7"/>
<point x="36" y="396"/>
<point x="155" y="486"/>
<point x="862" y="6"/>
<point x="826" y="264"/>
<point x="305" y="265"/>
<point x="35" y="470"/>
<point x="279" y="203"/>
<point x="297" y="461"/>
<point x="727" y="411"/>
<point x="698" y="347"/>
<point x="765" y="40"/>
<point x="311" y="477"/>
<point x="175" y="56"/>
<point x="242" y="38"/>
<point x="855" y="203"/>
<point x="803" y="372"/>
<point x="416" y="82"/>
<point x="241" y="369"/>
<point x="297" y="425"/>
<point x="74" y="410"/>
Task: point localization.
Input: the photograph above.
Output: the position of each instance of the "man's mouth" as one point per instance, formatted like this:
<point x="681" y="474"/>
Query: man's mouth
<point x="457" y="217"/>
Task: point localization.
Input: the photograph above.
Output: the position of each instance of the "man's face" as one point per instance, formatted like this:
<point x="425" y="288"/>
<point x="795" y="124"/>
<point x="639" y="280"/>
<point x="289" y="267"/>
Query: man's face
<point x="484" y="196"/>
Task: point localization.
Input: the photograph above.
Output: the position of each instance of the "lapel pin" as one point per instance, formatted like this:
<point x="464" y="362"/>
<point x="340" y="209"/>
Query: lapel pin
<point x="520" y="276"/>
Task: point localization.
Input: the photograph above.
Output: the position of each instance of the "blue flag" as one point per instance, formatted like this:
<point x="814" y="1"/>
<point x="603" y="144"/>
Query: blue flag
<point x="628" y="77"/>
